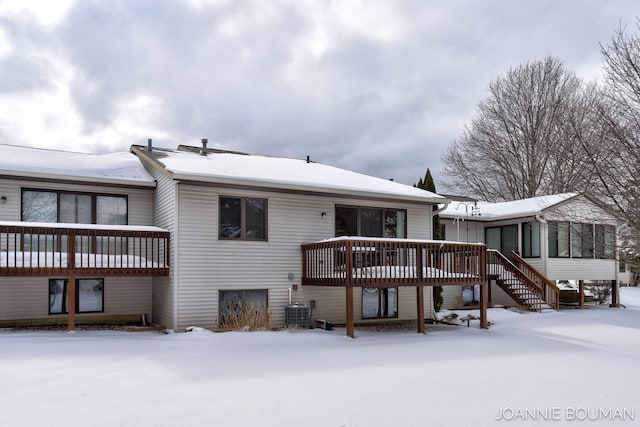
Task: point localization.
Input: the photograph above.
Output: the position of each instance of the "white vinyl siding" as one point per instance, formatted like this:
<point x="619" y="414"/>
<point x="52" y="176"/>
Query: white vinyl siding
<point x="468" y="231"/>
<point x="164" y="204"/>
<point x="581" y="269"/>
<point x="140" y="200"/>
<point x="24" y="298"/>
<point x="208" y="264"/>
<point x="27" y="298"/>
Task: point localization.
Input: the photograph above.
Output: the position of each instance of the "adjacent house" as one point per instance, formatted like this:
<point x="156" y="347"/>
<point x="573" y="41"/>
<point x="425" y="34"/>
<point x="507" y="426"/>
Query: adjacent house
<point x="561" y="237"/>
<point x="77" y="240"/>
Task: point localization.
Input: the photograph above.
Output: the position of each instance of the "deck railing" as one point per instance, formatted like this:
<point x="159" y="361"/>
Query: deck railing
<point x="30" y="249"/>
<point x="516" y="282"/>
<point x="550" y="292"/>
<point x="372" y="262"/>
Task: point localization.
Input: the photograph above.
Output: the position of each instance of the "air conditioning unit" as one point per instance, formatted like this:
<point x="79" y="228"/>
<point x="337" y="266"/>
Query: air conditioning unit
<point x="297" y="315"/>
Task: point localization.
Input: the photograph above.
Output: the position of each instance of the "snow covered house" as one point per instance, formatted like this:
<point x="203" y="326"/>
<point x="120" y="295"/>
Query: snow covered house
<point x="540" y="240"/>
<point x="275" y="231"/>
<point x="77" y="240"/>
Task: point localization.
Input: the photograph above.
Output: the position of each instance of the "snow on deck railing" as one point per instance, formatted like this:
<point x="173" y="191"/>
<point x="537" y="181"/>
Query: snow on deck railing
<point x="52" y="248"/>
<point x="371" y="262"/>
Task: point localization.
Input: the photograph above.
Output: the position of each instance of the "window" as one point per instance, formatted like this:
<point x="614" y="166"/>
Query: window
<point x="232" y="304"/>
<point x="89" y="296"/>
<point x="558" y="239"/>
<point x="503" y="239"/>
<point x="76" y="208"/>
<point x="605" y="241"/>
<point x="72" y="207"/>
<point x="531" y="239"/>
<point x="370" y="222"/>
<point x="581" y="240"/>
<point x="243" y="218"/>
<point x="39" y="206"/>
<point x="111" y="210"/>
<point x="622" y="267"/>
<point x="379" y="303"/>
<point x="576" y="240"/>
<point x="587" y="241"/>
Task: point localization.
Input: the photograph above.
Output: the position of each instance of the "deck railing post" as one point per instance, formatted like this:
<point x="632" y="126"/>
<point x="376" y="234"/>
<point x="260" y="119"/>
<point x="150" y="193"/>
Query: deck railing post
<point x="349" y="263"/>
<point x="419" y="263"/>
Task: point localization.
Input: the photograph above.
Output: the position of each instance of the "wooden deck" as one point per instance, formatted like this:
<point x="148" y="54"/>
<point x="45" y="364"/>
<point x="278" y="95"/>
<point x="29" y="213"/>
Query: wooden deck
<point x="72" y="250"/>
<point x="378" y="263"/>
<point x="362" y="262"/>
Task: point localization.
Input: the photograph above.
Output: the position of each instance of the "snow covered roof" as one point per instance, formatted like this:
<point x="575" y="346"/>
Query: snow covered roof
<point x="112" y="168"/>
<point x="504" y="210"/>
<point x="219" y="166"/>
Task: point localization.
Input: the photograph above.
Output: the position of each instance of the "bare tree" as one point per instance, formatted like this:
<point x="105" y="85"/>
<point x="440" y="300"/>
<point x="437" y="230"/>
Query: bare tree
<point x="522" y="141"/>
<point x="615" y="159"/>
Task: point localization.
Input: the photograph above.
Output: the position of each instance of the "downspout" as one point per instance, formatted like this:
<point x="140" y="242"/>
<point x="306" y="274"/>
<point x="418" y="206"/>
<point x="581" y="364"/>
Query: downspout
<point x="176" y="252"/>
<point x="432" y="306"/>
<point x="544" y="244"/>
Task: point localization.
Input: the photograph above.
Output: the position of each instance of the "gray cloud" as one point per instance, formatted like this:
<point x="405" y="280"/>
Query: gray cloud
<point x="294" y="78"/>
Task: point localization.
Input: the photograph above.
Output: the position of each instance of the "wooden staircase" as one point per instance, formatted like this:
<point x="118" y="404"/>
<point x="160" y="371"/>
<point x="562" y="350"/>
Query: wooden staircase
<point x="522" y="282"/>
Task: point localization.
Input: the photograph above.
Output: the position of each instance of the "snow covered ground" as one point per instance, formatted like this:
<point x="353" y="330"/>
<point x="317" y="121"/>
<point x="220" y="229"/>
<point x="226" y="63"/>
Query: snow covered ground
<point x="532" y="369"/>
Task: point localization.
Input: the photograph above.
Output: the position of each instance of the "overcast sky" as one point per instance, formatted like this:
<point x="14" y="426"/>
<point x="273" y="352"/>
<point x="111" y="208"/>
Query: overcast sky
<point x="379" y="87"/>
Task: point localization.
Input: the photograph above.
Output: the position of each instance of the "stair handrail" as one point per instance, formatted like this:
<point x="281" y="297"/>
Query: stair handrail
<point x="519" y="274"/>
<point x="551" y="292"/>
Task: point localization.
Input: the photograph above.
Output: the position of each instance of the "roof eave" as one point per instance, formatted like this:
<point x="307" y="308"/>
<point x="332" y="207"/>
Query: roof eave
<point x="317" y="189"/>
<point x="76" y="178"/>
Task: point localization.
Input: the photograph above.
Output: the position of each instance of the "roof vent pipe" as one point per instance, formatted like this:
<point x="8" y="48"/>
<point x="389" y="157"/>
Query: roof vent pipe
<point x="149" y="145"/>
<point x="203" y="152"/>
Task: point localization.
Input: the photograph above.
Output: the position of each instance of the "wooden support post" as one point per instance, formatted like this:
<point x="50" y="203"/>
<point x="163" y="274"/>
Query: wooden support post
<point x="71" y="307"/>
<point x="484" y="302"/>
<point x="580" y="293"/>
<point x="420" y="311"/>
<point x="71" y="284"/>
<point x="615" y="300"/>
<point x="350" y="328"/>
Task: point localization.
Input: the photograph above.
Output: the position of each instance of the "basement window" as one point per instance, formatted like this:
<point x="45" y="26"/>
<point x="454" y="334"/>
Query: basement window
<point x="89" y="296"/>
<point x="242" y="306"/>
<point x="379" y="303"/>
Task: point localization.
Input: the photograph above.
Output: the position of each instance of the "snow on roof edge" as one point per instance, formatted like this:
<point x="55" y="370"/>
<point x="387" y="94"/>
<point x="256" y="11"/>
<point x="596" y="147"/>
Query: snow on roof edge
<point x="120" y="168"/>
<point x="275" y="184"/>
<point x="520" y="208"/>
<point x="172" y="161"/>
<point x="78" y="178"/>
